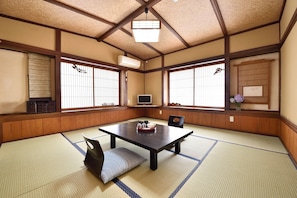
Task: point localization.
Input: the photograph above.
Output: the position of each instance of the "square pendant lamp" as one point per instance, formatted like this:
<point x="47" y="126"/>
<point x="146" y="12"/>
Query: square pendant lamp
<point x="146" y="31"/>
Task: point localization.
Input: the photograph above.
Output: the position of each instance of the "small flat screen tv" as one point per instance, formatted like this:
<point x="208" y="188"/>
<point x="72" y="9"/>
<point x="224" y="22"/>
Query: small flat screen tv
<point x="144" y="99"/>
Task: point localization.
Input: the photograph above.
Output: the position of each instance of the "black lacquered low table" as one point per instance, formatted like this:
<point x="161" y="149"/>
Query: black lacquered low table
<point x="155" y="141"/>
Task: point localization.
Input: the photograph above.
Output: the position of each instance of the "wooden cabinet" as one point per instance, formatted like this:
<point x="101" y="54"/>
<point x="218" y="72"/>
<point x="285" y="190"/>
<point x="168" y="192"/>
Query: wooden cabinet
<point x="32" y="128"/>
<point x="32" y="125"/>
<point x="16" y="127"/>
<point x="266" y="123"/>
<point x="51" y="125"/>
<point x="12" y="131"/>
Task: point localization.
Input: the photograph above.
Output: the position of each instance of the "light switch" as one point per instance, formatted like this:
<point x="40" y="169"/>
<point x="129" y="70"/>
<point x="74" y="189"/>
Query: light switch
<point x="231" y="118"/>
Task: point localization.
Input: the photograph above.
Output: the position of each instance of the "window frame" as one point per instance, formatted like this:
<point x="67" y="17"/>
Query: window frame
<point x="193" y="66"/>
<point x="93" y="65"/>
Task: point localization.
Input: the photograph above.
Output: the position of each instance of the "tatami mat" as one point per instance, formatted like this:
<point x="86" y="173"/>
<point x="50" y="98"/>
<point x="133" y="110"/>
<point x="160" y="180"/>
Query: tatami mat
<point x="172" y="170"/>
<point x="242" y="138"/>
<point x="213" y="163"/>
<point x="31" y="163"/>
<point x="80" y="184"/>
<point x="195" y="147"/>
<point x="239" y="171"/>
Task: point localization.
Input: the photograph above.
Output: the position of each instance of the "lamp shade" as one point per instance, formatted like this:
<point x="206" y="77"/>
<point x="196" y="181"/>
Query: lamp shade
<point x="146" y="30"/>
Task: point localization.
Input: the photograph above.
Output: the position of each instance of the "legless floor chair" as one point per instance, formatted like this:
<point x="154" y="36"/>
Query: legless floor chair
<point x="176" y="121"/>
<point x="109" y="164"/>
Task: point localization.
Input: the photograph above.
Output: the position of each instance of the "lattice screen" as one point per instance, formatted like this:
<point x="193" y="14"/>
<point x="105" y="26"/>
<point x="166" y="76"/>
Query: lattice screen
<point x="254" y="81"/>
<point x="39" y="75"/>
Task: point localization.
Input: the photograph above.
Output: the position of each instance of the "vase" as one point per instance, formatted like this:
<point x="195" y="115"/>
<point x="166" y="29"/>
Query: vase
<point x="238" y="107"/>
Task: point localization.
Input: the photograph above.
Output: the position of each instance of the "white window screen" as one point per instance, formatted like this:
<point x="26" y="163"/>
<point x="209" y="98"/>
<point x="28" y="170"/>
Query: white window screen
<point x="209" y="87"/>
<point x="200" y="86"/>
<point x="106" y="87"/>
<point x="85" y="86"/>
<point x="181" y="87"/>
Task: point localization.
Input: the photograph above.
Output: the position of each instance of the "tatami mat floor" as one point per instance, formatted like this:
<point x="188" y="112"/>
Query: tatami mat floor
<point x="213" y="163"/>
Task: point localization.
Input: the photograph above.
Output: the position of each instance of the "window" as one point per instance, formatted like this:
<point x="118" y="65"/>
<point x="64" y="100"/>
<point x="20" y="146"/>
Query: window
<point x="201" y="86"/>
<point x="87" y="86"/>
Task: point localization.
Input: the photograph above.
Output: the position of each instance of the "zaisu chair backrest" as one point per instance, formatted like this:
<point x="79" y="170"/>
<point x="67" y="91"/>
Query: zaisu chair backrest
<point x="94" y="158"/>
<point x="177" y="121"/>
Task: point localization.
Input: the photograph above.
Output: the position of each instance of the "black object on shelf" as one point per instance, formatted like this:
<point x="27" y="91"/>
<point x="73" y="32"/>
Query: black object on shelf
<point x="41" y="105"/>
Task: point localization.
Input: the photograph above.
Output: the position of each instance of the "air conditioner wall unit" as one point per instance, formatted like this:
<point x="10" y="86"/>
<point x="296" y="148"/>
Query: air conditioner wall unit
<point x="128" y="62"/>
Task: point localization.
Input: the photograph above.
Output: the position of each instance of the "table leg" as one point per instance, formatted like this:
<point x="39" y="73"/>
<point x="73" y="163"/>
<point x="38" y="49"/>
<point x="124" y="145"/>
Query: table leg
<point x="112" y="141"/>
<point x="153" y="160"/>
<point x="177" y="148"/>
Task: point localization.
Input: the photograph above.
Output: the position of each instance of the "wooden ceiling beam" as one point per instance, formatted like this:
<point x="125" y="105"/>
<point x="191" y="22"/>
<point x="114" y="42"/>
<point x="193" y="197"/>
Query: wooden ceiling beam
<point x="68" y="7"/>
<point x="126" y="20"/>
<point x="71" y="8"/>
<point x="219" y="16"/>
<point x="164" y="22"/>
<point x="169" y="27"/>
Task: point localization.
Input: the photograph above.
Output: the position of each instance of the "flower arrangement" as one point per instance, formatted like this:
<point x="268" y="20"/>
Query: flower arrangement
<point x="237" y="99"/>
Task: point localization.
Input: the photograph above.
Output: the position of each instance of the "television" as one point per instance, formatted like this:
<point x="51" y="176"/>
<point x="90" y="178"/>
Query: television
<point x="144" y="99"/>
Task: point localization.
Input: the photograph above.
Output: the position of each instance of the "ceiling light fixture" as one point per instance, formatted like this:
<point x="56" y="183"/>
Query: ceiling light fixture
<point x="146" y="31"/>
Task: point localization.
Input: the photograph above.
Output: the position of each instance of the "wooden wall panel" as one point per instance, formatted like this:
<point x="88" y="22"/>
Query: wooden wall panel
<point x="249" y="124"/>
<point x="82" y="120"/>
<point x="95" y="119"/>
<point x="233" y="125"/>
<point x="219" y="120"/>
<point x="274" y="127"/>
<point x="116" y="115"/>
<point x="106" y="117"/>
<point x="289" y="139"/>
<point x="12" y="131"/>
<point x="204" y="119"/>
<point x="195" y="118"/>
<point x="131" y="113"/>
<point x="264" y="125"/>
<point x="189" y="117"/>
<point x="32" y="128"/>
<point x="42" y="124"/>
<point x="68" y="123"/>
<point x="166" y="113"/>
<point x="294" y="147"/>
<point x="51" y="125"/>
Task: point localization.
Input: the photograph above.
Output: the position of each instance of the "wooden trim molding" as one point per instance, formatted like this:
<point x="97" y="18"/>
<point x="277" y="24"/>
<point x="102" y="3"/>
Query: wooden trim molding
<point x="289" y="123"/>
<point x="289" y="28"/>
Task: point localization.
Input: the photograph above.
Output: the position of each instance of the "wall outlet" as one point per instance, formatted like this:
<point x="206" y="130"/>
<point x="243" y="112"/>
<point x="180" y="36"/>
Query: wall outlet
<point x="231" y="118"/>
<point x="160" y="112"/>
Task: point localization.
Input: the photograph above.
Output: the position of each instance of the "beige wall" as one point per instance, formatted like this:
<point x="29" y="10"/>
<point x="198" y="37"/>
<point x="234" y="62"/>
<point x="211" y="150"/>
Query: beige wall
<point x="289" y="78"/>
<point x="153" y="85"/>
<point x="135" y="86"/>
<point x="211" y="49"/>
<point x="255" y="38"/>
<point x="26" y="33"/>
<point x="153" y="63"/>
<point x="89" y="48"/>
<point x="13" y="81"/>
